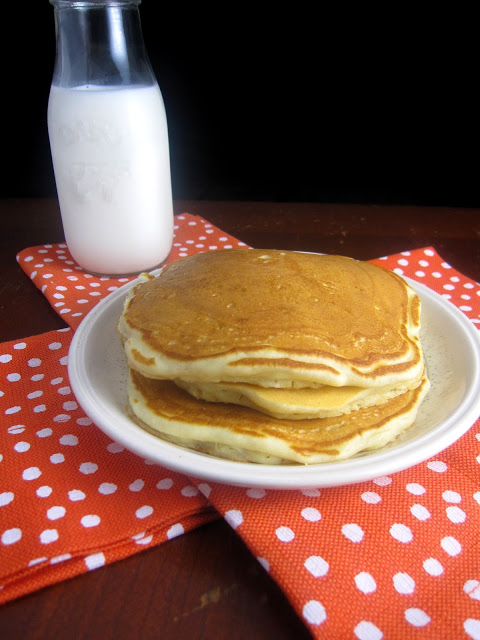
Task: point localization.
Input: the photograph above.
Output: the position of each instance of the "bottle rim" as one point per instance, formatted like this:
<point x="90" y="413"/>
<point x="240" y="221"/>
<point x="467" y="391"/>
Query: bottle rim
<point x="81" y="4"/>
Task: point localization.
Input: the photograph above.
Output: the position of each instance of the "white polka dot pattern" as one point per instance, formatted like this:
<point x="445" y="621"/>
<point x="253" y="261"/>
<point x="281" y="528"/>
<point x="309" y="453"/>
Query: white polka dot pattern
<point x="75" y="482"/>
<point x="396" y="552"/>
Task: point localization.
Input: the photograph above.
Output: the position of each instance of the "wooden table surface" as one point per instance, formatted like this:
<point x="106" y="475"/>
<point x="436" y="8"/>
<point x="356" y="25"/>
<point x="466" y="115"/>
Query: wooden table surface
<point x="204" y="584"/>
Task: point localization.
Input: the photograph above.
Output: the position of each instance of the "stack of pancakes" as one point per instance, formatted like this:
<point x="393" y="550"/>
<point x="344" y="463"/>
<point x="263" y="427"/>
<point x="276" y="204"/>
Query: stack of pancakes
<point x="274" y="356"/>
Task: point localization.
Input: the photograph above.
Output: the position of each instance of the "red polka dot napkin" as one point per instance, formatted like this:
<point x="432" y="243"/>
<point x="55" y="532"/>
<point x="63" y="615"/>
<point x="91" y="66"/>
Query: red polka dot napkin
<point x="397" y="557"/>
<point x="71" y="500"/>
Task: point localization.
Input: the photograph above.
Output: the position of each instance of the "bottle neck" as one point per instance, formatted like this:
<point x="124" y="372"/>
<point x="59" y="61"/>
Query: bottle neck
<point x="100" y="44"/>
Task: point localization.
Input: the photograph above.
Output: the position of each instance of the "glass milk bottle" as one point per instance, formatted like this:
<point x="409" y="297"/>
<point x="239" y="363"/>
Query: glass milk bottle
<point x="109" y="140"/>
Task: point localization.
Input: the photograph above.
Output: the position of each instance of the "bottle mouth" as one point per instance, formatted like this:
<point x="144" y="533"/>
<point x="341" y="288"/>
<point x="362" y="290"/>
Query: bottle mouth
<point x="80" y="4"/>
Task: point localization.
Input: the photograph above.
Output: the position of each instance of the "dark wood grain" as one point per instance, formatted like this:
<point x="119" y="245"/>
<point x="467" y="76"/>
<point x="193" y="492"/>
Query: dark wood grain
<point x="205" y="584"/>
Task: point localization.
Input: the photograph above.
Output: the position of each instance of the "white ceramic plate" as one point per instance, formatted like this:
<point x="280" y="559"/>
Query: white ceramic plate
<point x="98" y="373"/>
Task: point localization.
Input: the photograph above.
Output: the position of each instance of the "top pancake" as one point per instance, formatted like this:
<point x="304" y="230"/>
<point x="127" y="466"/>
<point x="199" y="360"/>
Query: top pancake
<point x="274" y="318"/>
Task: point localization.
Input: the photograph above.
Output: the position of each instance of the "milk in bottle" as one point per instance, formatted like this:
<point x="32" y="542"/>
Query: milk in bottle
<point x="109" y="140"/>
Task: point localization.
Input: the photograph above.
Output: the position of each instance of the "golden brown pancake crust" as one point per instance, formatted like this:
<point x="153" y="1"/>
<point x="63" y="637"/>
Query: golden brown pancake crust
<point x="320" y="309"/>
<point x="169" y="404"/>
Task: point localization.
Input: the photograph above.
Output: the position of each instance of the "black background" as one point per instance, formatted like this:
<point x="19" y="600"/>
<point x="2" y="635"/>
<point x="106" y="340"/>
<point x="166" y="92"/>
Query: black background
<point x="288" y="104"/>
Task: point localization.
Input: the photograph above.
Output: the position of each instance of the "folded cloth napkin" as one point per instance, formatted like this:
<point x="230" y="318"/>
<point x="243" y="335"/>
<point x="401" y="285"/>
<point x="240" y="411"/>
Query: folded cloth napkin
<point x="397" y="557"/>
<point x="72" y="500"/>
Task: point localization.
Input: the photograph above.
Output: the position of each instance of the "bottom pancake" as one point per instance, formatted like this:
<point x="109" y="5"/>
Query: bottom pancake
<point x="240" y="433"/>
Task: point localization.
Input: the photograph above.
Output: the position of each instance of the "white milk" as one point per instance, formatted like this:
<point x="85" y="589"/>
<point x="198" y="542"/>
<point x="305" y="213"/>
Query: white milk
<point x="112" y="170"/>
